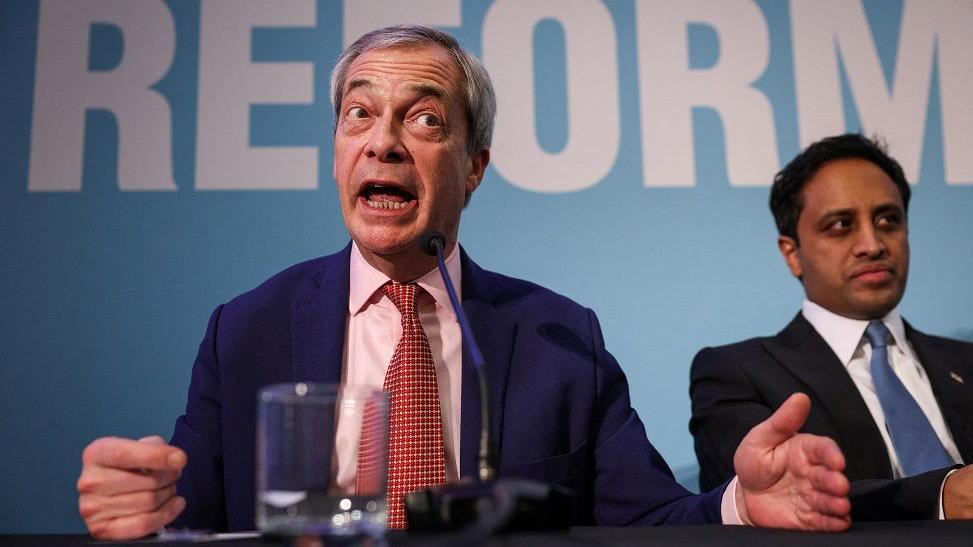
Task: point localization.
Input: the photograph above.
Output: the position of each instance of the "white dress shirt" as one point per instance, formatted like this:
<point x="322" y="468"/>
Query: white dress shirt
<point x="846" y="338"/>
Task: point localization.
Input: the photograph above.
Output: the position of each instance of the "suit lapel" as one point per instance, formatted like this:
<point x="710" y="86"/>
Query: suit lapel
<point x="802" y="351"/>
<point x="318" y="318"/>
<point x="955" y="399"/>
<point x="494" y="333"/>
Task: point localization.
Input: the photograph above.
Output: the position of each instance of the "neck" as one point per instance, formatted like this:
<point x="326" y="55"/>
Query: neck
<point x="406" y="265"/>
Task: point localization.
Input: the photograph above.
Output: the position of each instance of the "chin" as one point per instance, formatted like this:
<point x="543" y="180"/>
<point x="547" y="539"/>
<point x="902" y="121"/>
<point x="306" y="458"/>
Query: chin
<point x="386" y="245"/>
<point x="875" y="309"/>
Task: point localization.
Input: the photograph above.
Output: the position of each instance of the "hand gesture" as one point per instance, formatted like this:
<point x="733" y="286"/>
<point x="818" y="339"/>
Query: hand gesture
<point x="791" y="480"/>
<point x="127" y="488"/>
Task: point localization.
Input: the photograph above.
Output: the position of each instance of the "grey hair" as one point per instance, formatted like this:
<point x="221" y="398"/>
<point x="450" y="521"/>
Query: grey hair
<point x="481" y="102"/>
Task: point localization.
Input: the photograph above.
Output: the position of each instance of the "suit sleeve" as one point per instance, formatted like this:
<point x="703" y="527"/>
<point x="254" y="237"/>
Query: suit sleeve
<point x="910" y="498"/>
<point x="198" y="433"/>
<point x="726" y="405"/>
<point x="633" y="484"/>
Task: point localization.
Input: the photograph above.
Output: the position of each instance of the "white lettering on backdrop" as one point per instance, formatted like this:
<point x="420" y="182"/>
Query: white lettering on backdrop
<point x="824" y="28"/>
<point x="229" y="83"/>
<point x="669" y="90"/>
<point x="934" y="38"/>
<point x="361" y="16"/>
<point x="594" y="129"/>
<point x="64" y="89"/>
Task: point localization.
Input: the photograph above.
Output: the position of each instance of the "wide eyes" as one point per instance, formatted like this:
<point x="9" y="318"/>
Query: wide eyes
<point x="357" y="112"/>
<point x="424" y="119"/>
<point x="428" y="119"/>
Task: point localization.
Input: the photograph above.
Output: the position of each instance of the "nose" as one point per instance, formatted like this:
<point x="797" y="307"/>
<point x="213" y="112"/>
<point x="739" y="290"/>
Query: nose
<point x="385" y="142"/>
<point x="869" y="242"/>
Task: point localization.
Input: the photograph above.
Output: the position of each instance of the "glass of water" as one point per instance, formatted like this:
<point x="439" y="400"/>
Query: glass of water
<point x="321" y="459"/>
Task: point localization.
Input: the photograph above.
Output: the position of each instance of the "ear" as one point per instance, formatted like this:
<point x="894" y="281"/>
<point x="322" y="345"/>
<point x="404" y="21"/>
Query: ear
<point x="788" y="249"/>
<point x="476" y="168"/>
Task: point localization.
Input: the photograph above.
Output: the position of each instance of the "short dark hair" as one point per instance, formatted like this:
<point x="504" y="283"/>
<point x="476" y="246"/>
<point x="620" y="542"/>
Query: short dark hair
<point x="785" y="195"/>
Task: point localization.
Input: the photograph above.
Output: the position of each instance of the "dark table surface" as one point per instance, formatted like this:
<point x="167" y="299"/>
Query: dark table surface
<point x="870" y="534"/>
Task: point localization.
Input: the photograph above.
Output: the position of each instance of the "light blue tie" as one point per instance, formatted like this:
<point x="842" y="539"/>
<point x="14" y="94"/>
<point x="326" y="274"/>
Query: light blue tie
<point x="914" y="439"/>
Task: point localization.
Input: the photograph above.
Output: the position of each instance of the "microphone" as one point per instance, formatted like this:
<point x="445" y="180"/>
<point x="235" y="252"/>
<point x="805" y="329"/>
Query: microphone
<point x="433" y="243"/>
<point x="487" y="505"/>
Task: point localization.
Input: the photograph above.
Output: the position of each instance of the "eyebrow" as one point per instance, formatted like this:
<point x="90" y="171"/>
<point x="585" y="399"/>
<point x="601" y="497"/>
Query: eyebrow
<point x="422" y="90"/>
<point x="888" y="208"/>
<point x="358" y="82"/>
<point x="883" y="208"/>
<point x="425" y="90"/>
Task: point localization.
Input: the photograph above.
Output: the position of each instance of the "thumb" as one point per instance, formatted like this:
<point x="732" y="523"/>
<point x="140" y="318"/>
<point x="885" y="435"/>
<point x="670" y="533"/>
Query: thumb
<point x="152" y="439"/>
<point x="783" y="424"/>
<point x="176" y="458"/>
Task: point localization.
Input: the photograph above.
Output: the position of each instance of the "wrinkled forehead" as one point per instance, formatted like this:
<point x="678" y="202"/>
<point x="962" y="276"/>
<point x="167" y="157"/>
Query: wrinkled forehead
<point x="426" y="68"/>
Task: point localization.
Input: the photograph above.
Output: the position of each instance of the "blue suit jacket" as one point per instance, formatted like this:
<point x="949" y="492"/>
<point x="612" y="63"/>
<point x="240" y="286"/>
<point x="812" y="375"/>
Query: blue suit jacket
<point x="559" y="401"/>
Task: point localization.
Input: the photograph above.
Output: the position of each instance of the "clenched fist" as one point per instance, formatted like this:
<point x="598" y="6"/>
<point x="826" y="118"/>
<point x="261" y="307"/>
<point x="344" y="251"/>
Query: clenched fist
<point x="127" y="488"/>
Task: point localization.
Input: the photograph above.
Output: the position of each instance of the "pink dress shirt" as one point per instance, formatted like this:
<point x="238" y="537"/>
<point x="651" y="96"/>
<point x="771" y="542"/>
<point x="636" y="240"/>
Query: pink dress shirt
<point x="373" y="329"/>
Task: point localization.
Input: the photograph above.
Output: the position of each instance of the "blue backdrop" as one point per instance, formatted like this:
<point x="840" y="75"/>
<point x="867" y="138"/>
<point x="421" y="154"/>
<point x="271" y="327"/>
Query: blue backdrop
<point x="161" y="157"/>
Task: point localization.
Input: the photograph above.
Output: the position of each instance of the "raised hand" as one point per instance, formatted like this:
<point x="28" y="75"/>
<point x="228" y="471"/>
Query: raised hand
<point x="791" y="480"/>
<point x="127" y="488"/>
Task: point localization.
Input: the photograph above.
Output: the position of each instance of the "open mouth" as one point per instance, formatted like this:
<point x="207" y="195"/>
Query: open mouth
<point x="385" y="196"/>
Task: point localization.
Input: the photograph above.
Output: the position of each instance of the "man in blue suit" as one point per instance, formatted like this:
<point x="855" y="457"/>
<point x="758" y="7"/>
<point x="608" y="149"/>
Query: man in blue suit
<point x="414" y="117"/>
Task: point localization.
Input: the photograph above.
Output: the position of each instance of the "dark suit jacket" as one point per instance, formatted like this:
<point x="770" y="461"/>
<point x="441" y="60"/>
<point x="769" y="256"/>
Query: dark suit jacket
<point x="735" y="387"/>
<point x="559" y="401"/>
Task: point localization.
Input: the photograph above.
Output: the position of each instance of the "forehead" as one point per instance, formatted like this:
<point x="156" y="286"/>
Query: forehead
<point x="849" y="184"/>
<point x="425" y="67"/>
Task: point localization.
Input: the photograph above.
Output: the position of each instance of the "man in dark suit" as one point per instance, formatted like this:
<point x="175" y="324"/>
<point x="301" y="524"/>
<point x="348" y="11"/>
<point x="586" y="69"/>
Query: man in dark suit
<point x="898" y="402"/>
<point x="414" y="115"/>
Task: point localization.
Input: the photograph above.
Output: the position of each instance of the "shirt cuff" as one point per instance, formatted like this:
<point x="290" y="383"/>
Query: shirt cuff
<point x="730" y="513"/>
<point x="942" y="512"/>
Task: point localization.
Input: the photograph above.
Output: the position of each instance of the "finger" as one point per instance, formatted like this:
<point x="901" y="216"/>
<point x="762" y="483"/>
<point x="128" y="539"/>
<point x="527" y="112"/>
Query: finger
<point x="830" y="482"/>
<point x="96" y="508"/>
<point x="136" y="526"/>
<point x="827" y="523"/>
<point x="782" y="424"/>
<point x="822" y="451"/>
<point x="790" y="416"/>
<point x="107" y="481"/>
<point x="128" y="454"/>
<point x="829" y="505"/>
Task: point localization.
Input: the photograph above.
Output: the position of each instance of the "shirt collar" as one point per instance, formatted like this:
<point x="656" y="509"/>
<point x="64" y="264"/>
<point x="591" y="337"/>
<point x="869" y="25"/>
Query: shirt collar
<point x="365" y="281"/>
<point x="844" y="334"/>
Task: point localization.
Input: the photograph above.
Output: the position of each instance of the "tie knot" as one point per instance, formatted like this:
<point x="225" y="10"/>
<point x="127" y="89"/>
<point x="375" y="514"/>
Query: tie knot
<point x="877" y="334"/>
<point x="403" y="295"/>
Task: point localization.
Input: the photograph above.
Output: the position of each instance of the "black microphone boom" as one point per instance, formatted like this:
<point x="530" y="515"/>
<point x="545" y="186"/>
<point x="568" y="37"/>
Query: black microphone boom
<point x="434" y="244"/>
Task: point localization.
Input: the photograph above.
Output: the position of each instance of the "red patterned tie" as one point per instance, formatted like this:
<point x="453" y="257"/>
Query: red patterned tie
<point x="416" y="456"/>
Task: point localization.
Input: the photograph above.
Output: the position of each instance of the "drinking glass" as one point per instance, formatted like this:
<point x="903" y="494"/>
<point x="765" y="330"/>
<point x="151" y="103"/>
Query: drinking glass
<point x="306" y="434"/>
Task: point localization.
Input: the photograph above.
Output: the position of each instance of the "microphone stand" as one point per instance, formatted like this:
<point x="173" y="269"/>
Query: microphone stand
<point x="486" y="504"/>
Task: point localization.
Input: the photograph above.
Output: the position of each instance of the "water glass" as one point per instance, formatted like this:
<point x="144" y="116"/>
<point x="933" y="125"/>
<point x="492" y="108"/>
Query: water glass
<point x="321" y="459"/>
